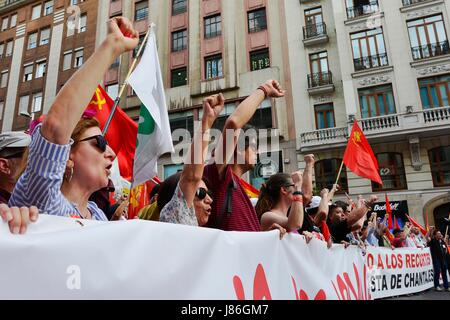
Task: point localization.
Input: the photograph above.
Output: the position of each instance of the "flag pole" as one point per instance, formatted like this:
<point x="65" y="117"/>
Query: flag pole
<point x="340" y="171"/>
<point x="446" y="230"/>
<point x="122" y="89"/>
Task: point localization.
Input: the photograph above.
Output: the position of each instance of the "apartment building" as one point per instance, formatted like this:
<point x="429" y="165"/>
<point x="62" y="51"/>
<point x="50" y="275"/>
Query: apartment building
<point x="385" y="63"/>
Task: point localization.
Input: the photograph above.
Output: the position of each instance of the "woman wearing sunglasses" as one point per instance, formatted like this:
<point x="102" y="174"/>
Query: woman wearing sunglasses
<point x="191" y="200"/>
<point x="281" y="202"/>
<point x="69" y="158"/>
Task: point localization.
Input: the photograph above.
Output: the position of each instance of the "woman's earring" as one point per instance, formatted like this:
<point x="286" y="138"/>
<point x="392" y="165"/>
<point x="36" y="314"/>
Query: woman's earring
<point x="68" y="175"/>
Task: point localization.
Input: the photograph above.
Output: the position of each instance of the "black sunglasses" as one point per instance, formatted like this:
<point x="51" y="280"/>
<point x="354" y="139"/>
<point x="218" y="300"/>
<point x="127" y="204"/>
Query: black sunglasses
<point x="202" y="192"/>
<point x="100" y="140"/>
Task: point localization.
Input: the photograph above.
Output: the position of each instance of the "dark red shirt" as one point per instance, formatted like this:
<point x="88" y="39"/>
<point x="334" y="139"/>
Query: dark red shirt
<point x="4" y="196"/>
<point x="231" y="208"/>
<point x="399" y="243"/>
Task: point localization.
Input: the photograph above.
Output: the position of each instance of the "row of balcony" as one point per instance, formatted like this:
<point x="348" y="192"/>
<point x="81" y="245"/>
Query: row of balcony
<point x="368" y="7"/>
<point x="390" y="125"/>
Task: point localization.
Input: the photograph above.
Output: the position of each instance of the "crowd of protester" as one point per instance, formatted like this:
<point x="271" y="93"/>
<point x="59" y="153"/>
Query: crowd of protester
<point x="63" y="167"/>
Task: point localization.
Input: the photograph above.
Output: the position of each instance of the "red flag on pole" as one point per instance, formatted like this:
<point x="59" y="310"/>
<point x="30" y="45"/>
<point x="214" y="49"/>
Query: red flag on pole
<point x="389" y="213"/>
<point x="359" y="157"/>
<point x="417" y="225"/>
<point x="122" y="133"/>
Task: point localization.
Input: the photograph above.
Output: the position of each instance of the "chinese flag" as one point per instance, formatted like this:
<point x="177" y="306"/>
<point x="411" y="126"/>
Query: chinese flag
<point x="389" y="213"/>
<point x="122" y="132"/>
<point x="359" y="157"/>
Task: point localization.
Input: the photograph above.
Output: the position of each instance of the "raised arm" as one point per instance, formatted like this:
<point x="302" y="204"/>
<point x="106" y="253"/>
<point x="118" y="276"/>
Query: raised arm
<point x="195" y="161"/>
<point x="307" y="187"/>
<point x="296" y="213"/>
<point x="240" y="117"/>
<point x="322" y="211"/>
<point x="358" y="214"/>
<point x="73" y="98"/>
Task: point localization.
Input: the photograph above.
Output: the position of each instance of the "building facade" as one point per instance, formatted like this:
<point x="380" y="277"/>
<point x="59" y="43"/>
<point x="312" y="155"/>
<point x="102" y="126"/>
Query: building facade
<point x="385" y="63"/>
<point x="213" y="46"/>
<point x="42" y="43"/>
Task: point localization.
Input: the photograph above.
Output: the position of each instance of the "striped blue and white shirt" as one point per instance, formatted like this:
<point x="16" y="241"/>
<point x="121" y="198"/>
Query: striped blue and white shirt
<point x="40" y="185"/>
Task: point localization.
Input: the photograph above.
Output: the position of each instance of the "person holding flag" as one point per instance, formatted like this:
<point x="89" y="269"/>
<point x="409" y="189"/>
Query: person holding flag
<point x="69" y="158"/>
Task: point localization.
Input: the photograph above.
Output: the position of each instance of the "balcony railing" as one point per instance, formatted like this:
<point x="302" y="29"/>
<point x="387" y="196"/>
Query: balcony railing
<point x="371" y="7"/>
<point x="325" y="135"/>
<point x="370" y="62"/>
<point x="436" y="114"/>
<point x="314" y="30"/>
<point x="378" y="127"/>
<point x="430" y="50"/>
<point x="410" y="2"/>
<point x="380" y="123"/>
<point x="320" y="79"/>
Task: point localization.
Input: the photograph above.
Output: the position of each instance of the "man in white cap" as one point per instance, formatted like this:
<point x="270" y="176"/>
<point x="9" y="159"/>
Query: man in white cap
<point x="12" y="149"/>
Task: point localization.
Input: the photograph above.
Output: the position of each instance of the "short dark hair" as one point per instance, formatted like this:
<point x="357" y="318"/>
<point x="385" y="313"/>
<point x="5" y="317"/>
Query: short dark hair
<point x="154" y="191"/>
<point x="397" y="231"/>
<point x="167" y="190"/>
<point x="341" y="204"/>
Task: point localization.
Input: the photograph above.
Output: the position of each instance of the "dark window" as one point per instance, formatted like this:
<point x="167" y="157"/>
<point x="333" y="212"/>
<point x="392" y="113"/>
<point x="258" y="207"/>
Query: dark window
<point x="377" y="101"/>
<point x="257" y="20"/>
<point x="392" y="172"/>
<point x="141" y="10"/>
<point x="435" y="92"/>
<point x="213" y="67"/>
<point x="183" y="121"/>
<point x="356" y="8"/>
<point x="262" y="119"/>
<point x="440" y="166"/>
<point x="179" y="6"/>
<point x="179" y="77"/>
<point x="213" y="26"/>
<point x="135" y="51"/>
<point x="179" y="40"/>
<point x="260" y="59"/>
<point x="324" y="116"/>
<point x="326" y="172"/>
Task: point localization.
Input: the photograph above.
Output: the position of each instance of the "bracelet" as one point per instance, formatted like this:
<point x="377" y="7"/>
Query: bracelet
<point x="297" y="199"/>
<point x="266" y="94"/>
<point x="298" y="193"/>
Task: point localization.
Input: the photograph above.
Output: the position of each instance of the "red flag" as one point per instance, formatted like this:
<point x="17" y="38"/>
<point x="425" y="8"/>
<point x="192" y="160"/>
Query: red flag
<point x="396" y="223"/>
<point x="389" y="235"/>
<point x="417" y="225"/>
<point x="389" y="213"/>
<point x="326" y="231"/>
<point x="122" y="132"/>
<point x="359" y="157"/>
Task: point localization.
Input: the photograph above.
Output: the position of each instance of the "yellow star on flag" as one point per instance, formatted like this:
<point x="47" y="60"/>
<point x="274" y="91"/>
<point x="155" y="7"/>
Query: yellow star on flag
<point x="100" y="102"/>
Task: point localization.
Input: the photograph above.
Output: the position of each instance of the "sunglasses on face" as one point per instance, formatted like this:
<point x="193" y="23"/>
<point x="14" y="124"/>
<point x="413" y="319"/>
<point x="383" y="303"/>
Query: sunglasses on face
<point x="202" y="193"/>
<point x="100" y="142"/>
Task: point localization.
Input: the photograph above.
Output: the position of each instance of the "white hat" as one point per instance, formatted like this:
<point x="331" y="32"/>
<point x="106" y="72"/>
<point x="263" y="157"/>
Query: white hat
<point x="15" y="139"/>
<point x="315" y="202"/>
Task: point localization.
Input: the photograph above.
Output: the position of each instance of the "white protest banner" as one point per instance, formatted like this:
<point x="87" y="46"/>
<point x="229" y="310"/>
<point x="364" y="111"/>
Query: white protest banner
<point x="399" y="272"/>
<point x="63" y="258"/>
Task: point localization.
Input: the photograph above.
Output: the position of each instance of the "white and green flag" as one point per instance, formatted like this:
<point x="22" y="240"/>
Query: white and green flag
<point x="154" y="136"/>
